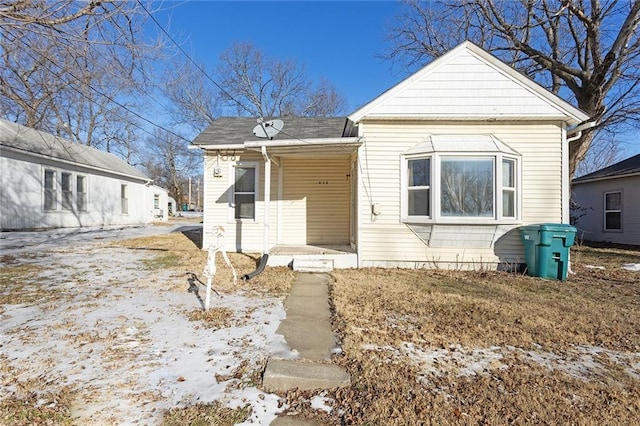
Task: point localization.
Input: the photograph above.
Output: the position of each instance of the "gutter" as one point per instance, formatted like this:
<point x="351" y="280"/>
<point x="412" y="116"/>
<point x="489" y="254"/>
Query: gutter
<point x="577" y="131"/>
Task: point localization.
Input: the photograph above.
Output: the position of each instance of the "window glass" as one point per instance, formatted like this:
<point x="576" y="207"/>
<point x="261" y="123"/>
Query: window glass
<point x="124" y="199"/>
<point x="419" y="172"/>
<point x="466" y="187"/>
<point x="81" y="193"/>
<point x="49" y="190"/>
<point x="508" y="188"/>
<point x="244" y="192"/>
<point x="613" y="201"/>
<point x="419" y="177"/>
<point x="67" y="193"/>
<point x="613" y="211"/>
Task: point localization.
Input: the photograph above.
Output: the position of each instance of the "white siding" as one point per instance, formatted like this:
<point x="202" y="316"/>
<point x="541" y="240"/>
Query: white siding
<point x="311" y="206"/>
<point x="315" y="204"/>
<point x="241" y="235"/>
<point x="590" y="196"/>
<point x="22" y="196"/>
<point x="386" y="238"/>
<point x="465" y="86"/>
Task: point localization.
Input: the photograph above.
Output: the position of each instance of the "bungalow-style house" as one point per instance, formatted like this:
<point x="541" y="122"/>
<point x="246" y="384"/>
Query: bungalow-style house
<point x="49" y="182"/>
<point x="441" y="170"/>
<point x="607" y="203"/>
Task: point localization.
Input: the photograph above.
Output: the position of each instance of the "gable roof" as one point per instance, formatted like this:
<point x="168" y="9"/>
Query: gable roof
<point x="468" y="83"/>
<point x="25" y="139"/>
<point x="628" y="167"/>
<point x="237" y="130"/>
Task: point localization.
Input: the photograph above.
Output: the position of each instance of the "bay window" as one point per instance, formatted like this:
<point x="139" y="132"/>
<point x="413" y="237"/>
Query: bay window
<point x="451" y="178"/>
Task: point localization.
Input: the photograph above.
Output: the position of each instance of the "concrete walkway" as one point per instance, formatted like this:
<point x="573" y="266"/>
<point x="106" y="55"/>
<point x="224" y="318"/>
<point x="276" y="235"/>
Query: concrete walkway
<point x="306" y="329"/>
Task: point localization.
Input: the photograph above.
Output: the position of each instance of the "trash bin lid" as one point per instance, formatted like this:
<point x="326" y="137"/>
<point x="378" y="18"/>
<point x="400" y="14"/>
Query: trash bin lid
<point x="556" y="227"/>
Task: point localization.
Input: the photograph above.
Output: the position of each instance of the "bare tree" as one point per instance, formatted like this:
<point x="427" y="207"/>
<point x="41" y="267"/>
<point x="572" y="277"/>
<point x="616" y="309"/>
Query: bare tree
<point x="194" y="100"/>
<point x="72" y="68"/>
<point x="265" y="87"/>
<point x="169" y="163"/>
<point x="586" y="51"/>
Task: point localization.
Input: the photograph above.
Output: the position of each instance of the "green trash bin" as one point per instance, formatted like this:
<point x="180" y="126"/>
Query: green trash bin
<point x="546" y="249"/>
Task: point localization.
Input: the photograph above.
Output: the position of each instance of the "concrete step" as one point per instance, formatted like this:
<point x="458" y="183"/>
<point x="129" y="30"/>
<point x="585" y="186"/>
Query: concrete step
<point x="312" y="265"/>
<point x="286" y="374"/>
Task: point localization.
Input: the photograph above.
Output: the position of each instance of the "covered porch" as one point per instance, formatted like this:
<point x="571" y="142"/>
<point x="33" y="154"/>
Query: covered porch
<point x="313" y="200"/>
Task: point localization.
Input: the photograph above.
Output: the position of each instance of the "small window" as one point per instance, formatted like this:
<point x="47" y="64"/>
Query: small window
<point x="419" y="178"/>
<point x="244" y="192"/>
<point x="49" y="185"/>
<point x="81" y="193"/>
<point x="156" y="201"/>
<point x="508" y="188"/>
<point x="124" y="199"/>
<point x="67" y="191"/>
<point x="613" y="211"/>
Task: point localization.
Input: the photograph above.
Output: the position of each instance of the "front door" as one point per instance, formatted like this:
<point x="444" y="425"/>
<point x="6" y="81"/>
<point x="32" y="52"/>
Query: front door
<point x="316" y="198"/>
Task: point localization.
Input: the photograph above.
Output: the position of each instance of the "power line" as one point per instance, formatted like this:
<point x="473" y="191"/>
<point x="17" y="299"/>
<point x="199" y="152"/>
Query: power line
<point x="222" y="89"/>
<point x="101" y="93"/>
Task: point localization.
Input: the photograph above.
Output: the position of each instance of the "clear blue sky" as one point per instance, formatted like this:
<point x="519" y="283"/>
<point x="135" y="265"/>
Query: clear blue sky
<point x="338" y="40"/>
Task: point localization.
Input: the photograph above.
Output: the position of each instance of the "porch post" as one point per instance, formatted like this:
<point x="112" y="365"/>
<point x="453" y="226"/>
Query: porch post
<point x="267" y="200"/>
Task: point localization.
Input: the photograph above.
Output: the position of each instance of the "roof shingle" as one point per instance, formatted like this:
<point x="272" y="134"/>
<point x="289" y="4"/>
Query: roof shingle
<point x="237" y="130"/>
<point x="16" y="136"/>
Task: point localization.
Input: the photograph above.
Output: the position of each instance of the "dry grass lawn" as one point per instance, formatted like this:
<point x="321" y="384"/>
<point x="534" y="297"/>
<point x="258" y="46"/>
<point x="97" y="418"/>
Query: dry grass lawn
<point x="440" y="347"/>
<point x="446" y="347"/>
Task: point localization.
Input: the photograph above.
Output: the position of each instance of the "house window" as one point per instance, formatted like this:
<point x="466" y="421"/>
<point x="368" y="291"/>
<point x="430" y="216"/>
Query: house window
<point x="613" y="211"/>
<point x="49" y="185"/>
<point x="81" y="193"/>
<point x="508" y="188"/>
<point x="456" y="178"/>
<point x="156" y="201"/>
<point x="466" y="187"/>
<point x="67" y="191"/>
<point x="244" y="192"/>
<point x="124" y="199"/>
<point x="419" y="178"/>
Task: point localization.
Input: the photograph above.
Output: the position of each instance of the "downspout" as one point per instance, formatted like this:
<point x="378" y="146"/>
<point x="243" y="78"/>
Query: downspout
<point x="267" y="199"/>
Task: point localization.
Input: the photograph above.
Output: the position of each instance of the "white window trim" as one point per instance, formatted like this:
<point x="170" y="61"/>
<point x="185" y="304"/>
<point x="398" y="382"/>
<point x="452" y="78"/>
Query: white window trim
<point x="434" y="194"/>
<point x="605" y="211"/>
<point x="86" y="192"/>
<point x="126" y="185"/>
<point x="68" y="204"/>
<point x="56" y="185"/>
<point x="231" y="211"/>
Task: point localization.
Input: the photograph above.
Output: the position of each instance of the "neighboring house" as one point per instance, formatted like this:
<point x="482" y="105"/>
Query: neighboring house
<point x="439" y="171"/>
<point x="607" y="202"/>
<point x="49" y="182"/>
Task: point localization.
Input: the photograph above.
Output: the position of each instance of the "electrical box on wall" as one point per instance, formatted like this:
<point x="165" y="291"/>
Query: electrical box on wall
<point x="217" y="172"/>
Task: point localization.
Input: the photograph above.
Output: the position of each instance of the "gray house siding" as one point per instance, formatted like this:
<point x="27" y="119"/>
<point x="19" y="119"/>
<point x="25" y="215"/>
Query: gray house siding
<point x="48" y="182"/>
<point x="590" y="200"/>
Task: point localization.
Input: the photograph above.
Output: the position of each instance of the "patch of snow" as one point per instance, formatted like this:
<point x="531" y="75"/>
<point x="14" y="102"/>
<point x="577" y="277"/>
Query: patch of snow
<point x="117" y="336"/>
<point x="631" y="267"/>
<point x="594" y="267"/>
<point x="583" y="362"/>
<point x="321" y="402"/>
